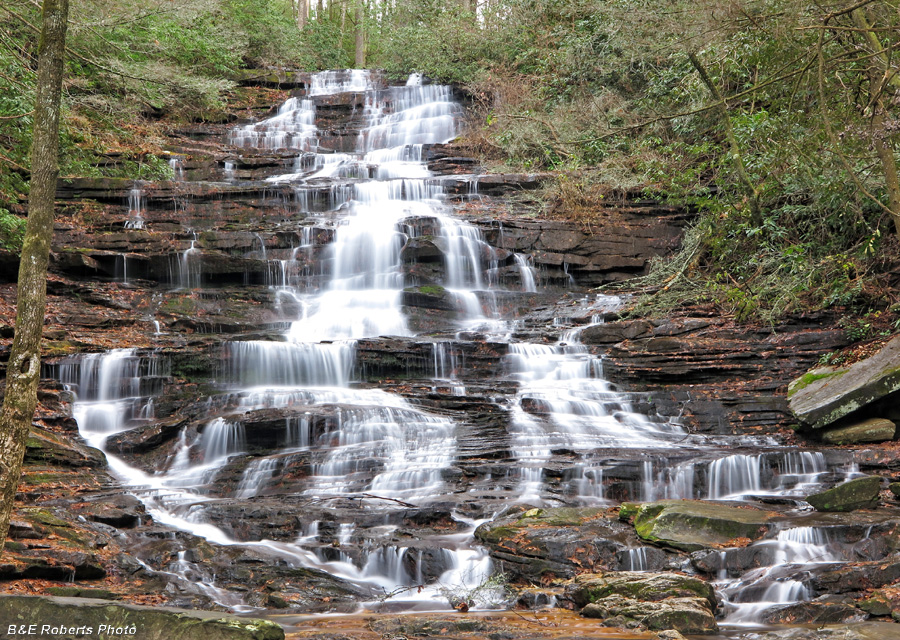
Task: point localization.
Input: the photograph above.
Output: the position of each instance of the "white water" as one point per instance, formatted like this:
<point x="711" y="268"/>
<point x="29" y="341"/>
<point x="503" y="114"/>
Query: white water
<point x="373" y="442"/>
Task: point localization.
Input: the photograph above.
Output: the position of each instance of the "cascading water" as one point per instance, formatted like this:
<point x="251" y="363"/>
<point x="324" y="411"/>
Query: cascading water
<point x="292" y="413"/>
<point x="360" y="440"/>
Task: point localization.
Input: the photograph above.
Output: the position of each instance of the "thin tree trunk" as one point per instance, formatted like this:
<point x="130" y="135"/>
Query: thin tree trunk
<point x="302" y="13"/>
<point x="24" y="366"/>
<point x="750" y="190"/>
<point x="360" y="61"/>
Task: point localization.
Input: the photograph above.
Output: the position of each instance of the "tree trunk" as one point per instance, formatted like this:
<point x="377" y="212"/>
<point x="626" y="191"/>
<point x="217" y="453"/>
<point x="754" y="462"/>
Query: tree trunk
<point x="750" y="190"/>
<point x="302" y="13"/>
<point x="360" y="62"/>
<point x="24" y="366"/>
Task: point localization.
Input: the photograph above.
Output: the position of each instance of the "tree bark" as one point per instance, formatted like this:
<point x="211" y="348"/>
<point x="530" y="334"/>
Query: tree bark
<point x="302" y="13"/>
<point x="360" y="61"/>
<point x="24" y="366"/>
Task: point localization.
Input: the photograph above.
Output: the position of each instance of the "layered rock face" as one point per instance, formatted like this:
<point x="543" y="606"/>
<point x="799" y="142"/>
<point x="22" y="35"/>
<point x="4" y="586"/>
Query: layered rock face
<point x="322" y="361"/>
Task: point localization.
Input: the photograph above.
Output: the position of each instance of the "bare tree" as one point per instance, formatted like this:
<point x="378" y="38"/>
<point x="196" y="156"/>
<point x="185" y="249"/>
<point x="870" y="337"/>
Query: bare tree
<point x="24" y="367"/>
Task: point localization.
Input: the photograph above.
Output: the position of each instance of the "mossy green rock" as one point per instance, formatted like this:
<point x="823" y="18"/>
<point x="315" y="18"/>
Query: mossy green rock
<point x="655" y="601"/>
<point x="638" y="585"/>
<point x="692" y="525"/>
<point x="873" y="430"/>
<point x="149" y="623"/>
<point x="860" y="493"/>
<point x="827" y="394"/>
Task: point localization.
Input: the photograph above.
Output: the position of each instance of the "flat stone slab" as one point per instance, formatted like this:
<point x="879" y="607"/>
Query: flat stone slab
<point x="691" y="525"/>
<point x="860" y="493"/>
<point x="824" y="395"/>
<point x="873" y="430"/>
<point x="42" y="616"/>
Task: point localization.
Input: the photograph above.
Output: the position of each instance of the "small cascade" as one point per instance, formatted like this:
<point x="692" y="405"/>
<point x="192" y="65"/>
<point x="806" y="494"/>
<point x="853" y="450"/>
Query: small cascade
<point x="564" y="403"/>
<point x="636" y="560"/>
<point x="257" y="474"/>
<point x="135" y="209"/>
<point x="446" y="366"/>
<point x="122" y="268"/>
<point x="176" y="164"/>
<point x="184" y="268"/>
<point x="791" y="473"/>
<point x="112" y="389"/>
<point x="527" y="273"/>
<point x="294" y="127"/>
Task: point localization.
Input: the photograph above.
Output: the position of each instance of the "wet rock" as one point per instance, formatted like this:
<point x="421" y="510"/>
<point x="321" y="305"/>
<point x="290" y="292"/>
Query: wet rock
<point x="691" y="525"/>
<point x="540" y="544"/>
<point x="860" y="493"/>
<point x="120" y="511"/>
<point x="857" y="577"/>
<point x="720" y="378"/>
<point x="430" y="297"/>
<point x="872" y="430"/>
<point x="815" y="613"/>
<point x="150" y="623"/>
<point x="827" y="394"/>
<point x="642" y="586"/>
<point x="878" y="603"/>
<point x="654" y="600"/>
<point x="21" y="530"/>
<point x="613" y="332"/>
<point x="45" y="447"/>
<point x="685" y="615"/>
<point x="895" y="488"/>
<point x="147" y="437"/>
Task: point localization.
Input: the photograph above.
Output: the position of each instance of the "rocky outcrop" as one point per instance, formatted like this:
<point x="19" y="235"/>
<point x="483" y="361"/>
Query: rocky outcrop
<point x="869" y="388"/>
<point x="691" y="525"/>
<point x="648" y="600"/>
<point x="72" y="617"/>
<point x="538" y="545"/>
<point x="719" y="377"/>
<point x="860" y="493"/>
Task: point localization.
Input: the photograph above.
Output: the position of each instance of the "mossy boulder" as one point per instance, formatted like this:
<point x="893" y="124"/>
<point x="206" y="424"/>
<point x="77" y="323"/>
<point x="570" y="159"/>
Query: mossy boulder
<point x="860" y="493"/>
<point x="685" y="615"/>
<point x="149" y="623"/>
<point x="638" y="585"/>
<point x="691" y="525"/>
<point x="827" y="394"/>
<point x="654" y="601"/>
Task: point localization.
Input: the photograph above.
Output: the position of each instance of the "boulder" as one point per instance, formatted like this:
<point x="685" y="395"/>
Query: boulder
<point x="685" y="615"/>
<point x="540" y="544"/>
<point x="691" y="525"/>
<point x="827" y="394"/>
<point x="860" y="493"/>
<point x="857" y="577"/>
<point x="872" y="430"/>
<point x="63" y="617"/>
<point x="653" y="601"/>
<point x="639" y="585"/>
